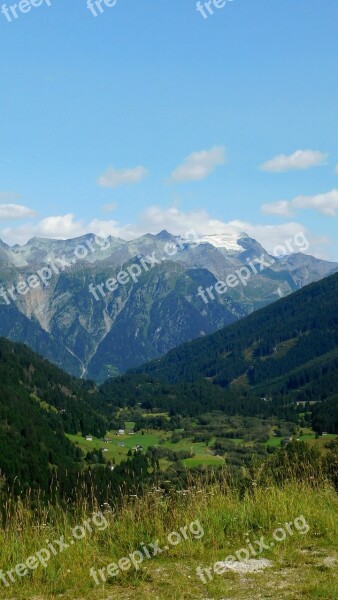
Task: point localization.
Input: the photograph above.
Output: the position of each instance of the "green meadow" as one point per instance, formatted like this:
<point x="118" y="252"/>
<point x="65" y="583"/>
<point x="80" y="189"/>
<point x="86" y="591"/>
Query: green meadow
<point x="118" y="447"/>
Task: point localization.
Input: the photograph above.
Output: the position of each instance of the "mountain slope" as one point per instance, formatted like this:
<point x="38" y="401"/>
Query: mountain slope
<point x="98" y="334"/>
<point x="286" y="353"/>
<point x="306" y="320"/>
<point x="38" y="404"/>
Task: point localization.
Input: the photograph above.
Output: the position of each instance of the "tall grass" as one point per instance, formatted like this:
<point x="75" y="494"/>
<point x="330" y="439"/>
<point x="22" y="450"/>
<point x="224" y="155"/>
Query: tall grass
<point x="226" y="515"/>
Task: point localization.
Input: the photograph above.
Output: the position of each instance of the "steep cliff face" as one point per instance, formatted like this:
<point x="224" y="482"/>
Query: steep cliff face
<point x="75" y="315"/>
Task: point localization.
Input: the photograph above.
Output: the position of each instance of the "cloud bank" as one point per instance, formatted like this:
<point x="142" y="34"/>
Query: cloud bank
<point x="155" y="218"/>
<point x="298" y="161"/>
<point x="325" y="204"/>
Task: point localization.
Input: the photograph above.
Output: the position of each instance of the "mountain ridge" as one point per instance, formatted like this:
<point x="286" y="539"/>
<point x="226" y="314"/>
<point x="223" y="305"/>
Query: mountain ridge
<point x="104" y="336"/>
<point x="270" y="321"/>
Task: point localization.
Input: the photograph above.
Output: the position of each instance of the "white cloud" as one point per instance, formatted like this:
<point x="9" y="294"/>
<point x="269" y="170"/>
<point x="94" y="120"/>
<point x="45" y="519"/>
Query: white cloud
<point x="326" y="204"/>
<point x="299" y="160"/>
<point x="156" y="218"/>
<point x="199" y="165"/>
<point x="176" y="221"/>
<point x="58" y="227"/>
<point x="10" y="212"/>
<point x="112" y="178"/>
<point x="281" y="208"/>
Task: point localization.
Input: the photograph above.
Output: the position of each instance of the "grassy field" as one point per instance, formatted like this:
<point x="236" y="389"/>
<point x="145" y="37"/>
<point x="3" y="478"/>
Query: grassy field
<point x="119" y="445"/>
<point x="115" y="452"/>
<point x="202" y="459"/>
<point x="203" y="454"/>
<point x="308" y="436"/>
<point x="216" y="523"/>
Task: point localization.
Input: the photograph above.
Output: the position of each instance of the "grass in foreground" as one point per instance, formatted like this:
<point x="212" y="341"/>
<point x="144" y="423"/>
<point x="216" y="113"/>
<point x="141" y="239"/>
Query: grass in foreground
<point x="303" y="566"/>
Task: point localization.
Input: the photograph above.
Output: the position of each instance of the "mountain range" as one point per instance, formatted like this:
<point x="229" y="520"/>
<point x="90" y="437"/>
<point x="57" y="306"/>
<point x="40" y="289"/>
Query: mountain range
<point x="98" y="306"/>
<point x="281" y="361"/>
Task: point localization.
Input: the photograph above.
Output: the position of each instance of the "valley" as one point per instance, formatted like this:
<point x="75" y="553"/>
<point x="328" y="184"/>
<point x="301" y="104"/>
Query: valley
<point x="227" y="399"/>
<point x="179" y="448"/>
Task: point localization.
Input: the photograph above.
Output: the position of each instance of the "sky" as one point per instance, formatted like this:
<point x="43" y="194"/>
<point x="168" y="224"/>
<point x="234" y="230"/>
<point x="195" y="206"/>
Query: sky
<point x="155" y="115"/>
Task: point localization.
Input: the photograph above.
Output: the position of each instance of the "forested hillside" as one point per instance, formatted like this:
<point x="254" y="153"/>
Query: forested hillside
<point x="284" y="354"/>
<point x="279" y="337"/>
<point x="38" y="404"/>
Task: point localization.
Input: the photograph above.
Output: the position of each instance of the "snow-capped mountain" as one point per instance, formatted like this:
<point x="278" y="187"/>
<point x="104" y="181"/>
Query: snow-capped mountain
<point x="104" y="333"/>
<point x="228" y="242"/>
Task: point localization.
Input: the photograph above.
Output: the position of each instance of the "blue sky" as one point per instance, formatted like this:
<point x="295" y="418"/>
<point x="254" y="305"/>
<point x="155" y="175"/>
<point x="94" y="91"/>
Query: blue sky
<point x="150" y="116"/>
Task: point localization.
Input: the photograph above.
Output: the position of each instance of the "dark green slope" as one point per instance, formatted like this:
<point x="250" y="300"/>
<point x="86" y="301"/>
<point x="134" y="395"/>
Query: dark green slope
<point x="273" y="340"/>
<point x="284" y="354"/>
<point x="38" y="404"/>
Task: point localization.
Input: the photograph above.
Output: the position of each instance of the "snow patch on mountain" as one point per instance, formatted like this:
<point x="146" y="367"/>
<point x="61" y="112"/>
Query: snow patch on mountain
<point x="226" y="241"/>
